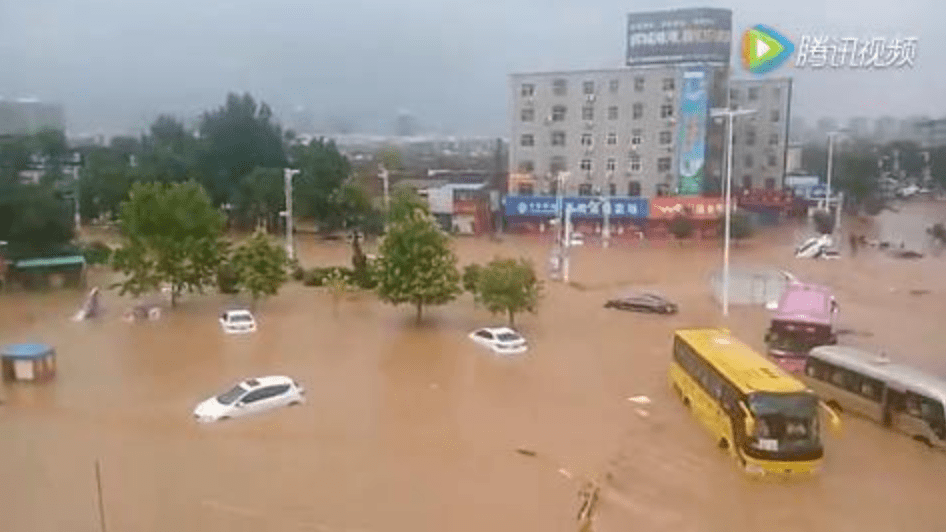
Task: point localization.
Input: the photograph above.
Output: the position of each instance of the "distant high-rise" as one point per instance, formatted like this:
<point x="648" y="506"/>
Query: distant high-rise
<point x="858" y="128"/>
<point x="885" y="129"/>
<point x="406" y="124"/>
<point x="824" y="125"/>
<point x="29" y="115"/>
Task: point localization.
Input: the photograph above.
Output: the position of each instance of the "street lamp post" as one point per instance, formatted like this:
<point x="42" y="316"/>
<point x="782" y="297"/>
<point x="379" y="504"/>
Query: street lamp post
<point x="384" y="177"/>
<point x="729" y="114"/>
<point x="288" y="173"/>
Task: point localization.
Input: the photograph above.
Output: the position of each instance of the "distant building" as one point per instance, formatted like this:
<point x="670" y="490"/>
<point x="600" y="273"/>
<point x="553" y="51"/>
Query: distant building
<point x="823" y="127"/>
<point x="406" y="125"/>
<point x="886" y="129"/>
<point x="761" y="139"/>
<point x="858" y="128"/>
<point x="28" y="116"/>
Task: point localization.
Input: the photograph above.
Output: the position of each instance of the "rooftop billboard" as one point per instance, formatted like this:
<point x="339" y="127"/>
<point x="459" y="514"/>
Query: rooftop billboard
<point x="679" y="36"/>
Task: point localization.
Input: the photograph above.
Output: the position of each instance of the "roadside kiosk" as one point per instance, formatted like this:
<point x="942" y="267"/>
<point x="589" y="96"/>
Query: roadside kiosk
<point x="28" y="362"/>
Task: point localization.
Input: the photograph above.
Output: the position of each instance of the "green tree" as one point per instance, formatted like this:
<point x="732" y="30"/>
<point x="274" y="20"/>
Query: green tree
<point x="404" y="202"/>
<point x="104" y="182"/>
<point x="172" y="235"/>
<point x="236" y="138"/>
<point x="323" y="171"/>
<point x="416" y="265"/>
<point x="260" y="197"/>
<point x="471" y="277"/>
<point x="509" y="286"/>
<point x="681" y="226"/>
<point x="33" y="218"/>
<point x="856" y="175"/>
<point x="260" y="266"/>
<point x="741" y="226"/>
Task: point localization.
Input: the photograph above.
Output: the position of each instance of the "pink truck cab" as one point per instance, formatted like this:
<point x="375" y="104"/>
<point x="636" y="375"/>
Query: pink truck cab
<point x="804" y="319"/>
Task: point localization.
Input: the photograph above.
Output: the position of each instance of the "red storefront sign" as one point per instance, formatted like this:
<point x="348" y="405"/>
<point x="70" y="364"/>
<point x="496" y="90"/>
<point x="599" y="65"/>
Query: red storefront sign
<point x="765" y="198"/>
<point x="695" y="207"/>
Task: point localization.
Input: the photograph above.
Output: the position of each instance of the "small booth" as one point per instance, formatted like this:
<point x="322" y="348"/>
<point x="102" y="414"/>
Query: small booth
<point x="28" y="362"/>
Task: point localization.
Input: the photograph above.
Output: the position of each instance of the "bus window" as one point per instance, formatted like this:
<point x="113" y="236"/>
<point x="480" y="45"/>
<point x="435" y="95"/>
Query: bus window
<point x="872" y="389"/>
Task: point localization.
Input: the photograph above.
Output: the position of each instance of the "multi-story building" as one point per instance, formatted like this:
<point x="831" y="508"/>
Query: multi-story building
<point x="29" y="116"/>
<point x="760" y="139"/>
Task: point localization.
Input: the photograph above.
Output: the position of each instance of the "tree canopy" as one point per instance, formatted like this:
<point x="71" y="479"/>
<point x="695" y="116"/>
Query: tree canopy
<point x="172" y="235"/>
<point x="508" y="286"/>
<point x="260" y="266"/>
<point x="415" y="264"/>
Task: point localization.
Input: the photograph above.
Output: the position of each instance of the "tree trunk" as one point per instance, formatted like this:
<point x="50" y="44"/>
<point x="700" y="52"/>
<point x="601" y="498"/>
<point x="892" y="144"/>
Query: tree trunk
<point x="420" y="311"/>
<point x="512" y="319"/>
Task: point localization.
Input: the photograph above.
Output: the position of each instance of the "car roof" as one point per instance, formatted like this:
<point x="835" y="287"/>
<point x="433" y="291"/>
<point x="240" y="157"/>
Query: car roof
<point x="257" y="382"/>
<point x="500" y="330"/>
<point x="239" y="311"/>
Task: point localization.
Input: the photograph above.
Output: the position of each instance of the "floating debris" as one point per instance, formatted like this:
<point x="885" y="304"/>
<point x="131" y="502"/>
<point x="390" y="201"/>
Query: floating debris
<point x="640" y="399"/>
<point x="526" y="452"/>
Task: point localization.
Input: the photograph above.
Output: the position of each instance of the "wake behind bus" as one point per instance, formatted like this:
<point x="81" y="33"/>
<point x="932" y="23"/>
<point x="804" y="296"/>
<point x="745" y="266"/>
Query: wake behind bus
<point x="765" y="418"/>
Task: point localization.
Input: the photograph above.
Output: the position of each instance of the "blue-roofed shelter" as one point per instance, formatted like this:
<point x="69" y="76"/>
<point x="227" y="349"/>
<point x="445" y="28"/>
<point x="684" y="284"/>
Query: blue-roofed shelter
<point x="28" y="362"/>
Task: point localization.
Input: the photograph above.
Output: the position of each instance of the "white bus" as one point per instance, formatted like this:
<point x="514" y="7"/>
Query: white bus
<point x="897" y="396"/>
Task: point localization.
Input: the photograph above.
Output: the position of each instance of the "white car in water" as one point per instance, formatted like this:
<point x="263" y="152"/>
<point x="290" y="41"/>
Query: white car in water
<point x="501" y="340"/>
<point x="249" y="397"/>
<point x="237" y="322"/>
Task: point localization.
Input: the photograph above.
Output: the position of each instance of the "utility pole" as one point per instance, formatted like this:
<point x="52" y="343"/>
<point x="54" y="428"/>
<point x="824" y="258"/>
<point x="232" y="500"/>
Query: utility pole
<point x="290" y="244"/>
<point x="729" y="114"/>
<point x="383" y="175"/>
<point x="606" y="211"/>
<point x="98" y="484"/>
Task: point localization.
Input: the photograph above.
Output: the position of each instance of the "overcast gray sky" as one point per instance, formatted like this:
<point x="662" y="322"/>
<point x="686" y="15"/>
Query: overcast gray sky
<point x="115" y="64"/>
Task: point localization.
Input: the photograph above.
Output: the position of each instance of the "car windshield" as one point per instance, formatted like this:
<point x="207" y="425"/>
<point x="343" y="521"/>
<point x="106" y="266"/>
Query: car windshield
<point x="240" y="317"/>
<point x="508" y="337"/>
<point x="785" y="422"/>
<point x="231" y="395"/>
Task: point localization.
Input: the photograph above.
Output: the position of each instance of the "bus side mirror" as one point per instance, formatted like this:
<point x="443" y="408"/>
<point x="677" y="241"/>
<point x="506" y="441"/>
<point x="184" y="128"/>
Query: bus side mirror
<point x="834" y="421"/>
<point x="749" y="420"/>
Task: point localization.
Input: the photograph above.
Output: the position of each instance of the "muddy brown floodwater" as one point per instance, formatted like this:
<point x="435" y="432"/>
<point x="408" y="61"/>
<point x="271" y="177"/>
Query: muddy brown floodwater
<point x="410" y="429"/>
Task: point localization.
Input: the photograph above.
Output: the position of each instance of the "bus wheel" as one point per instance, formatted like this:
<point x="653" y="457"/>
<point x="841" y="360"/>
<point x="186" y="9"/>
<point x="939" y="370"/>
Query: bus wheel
<point x="924" y="440"/>
<point x="723" y="444"/>
<point x="835" y="406"/>
<point x="686" y="402"/>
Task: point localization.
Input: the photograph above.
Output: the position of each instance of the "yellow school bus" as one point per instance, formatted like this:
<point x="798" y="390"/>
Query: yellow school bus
<point x="766" y="419"/>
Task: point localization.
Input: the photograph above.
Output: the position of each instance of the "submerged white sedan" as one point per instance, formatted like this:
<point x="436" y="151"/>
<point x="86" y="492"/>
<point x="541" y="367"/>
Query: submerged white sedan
<point x="251" y="396"/>
<point x="237" y="322"/>
<point x="501" y="340"/>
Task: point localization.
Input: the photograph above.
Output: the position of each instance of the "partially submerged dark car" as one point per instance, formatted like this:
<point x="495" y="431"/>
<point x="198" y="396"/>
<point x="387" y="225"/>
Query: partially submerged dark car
<point x="643" y="302"/>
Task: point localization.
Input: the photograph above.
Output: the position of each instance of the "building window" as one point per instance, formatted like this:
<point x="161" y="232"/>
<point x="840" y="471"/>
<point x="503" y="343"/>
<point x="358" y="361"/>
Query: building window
<point x="753" y="94"/>
<point x="664" y="137"/>
<point x="584" y="189"/>
<point x="613" y="85"/>
<point x="527" y="90"/>
<point x="637" y="111"/>
<point x="668" y="84"/>
<point x="587" y="112"/>
<point x="527" y="140"/>
<point x="666" y="110"/>
<point x="526" y="167"/>
<point x="633" y="188"/>
<point x="559" y="87"/>
<point x="585" y="165"/>
<point x="663" y="164"/>
<point x="558" y="113"/>
<point x="558" y="138"/>
<point x="527" y="114"/>
<point x="733" y="95"/>
<point x="634" y="161"/>
<point x="769" y="183"/>
<point x="613" y="112"/>
<point x="525" y="189"/>
<point x="747" y="182"/>
<point x="612" y="189"/>
<point x="773" y="139"/>
<point x="777" y="93"/>
<point x="636" y="135"/>
<point x="557" y="164"/>
<point x="612" y="164"/>
<point x="750" y="136"/>
<point x="588" y="87"/>
<point x="748" y="161"/>
<point x="776" y="115"/>
<point x="639" y="84"/>
<point x="663" y="189"/>
<point x="612" y="139"/>
<point x="586" y="139"/>
<point x="553" y="187"/>
<point x="773" y="160"/>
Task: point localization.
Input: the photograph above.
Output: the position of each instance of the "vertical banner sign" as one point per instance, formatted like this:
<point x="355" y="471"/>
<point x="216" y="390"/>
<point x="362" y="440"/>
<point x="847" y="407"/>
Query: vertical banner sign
<point x="692" y="132"/>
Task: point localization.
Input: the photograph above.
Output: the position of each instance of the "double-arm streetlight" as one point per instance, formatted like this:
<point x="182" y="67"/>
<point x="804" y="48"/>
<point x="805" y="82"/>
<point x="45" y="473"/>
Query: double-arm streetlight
<point x="729" y="114"/>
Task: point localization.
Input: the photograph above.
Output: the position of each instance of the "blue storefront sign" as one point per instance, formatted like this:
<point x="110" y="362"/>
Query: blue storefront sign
<point x="582" y="207"/>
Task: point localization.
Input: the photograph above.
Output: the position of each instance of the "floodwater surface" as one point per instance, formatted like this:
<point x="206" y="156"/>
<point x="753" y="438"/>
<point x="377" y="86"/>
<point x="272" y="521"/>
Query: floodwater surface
<point x="413" y="428"/>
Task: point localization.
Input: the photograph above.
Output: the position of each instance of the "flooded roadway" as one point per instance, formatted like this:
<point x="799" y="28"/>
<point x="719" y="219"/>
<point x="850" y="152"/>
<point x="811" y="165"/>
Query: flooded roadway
<point x="412" y="428"/>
